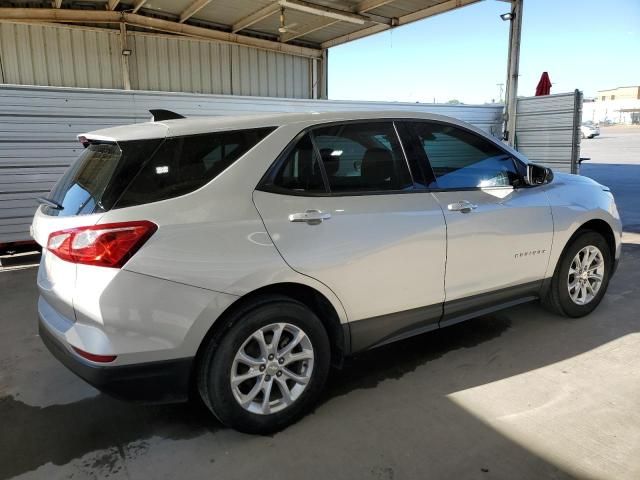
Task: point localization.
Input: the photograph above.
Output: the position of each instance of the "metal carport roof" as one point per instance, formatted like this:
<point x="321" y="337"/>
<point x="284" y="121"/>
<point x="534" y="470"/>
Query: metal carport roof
<point x="280" y="25"/>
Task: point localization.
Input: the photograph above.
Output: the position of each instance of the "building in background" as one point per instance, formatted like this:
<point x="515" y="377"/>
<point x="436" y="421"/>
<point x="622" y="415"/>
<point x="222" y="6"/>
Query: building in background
<point x="618" y="105"/>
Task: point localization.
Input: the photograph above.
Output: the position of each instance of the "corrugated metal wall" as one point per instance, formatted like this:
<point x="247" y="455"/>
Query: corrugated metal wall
<point x="76" y="57"/>
<point x="547" y="130"/>
<point x="38" y="128"/>
<point x="71" y="57"/>
<point x="185" y="65"/>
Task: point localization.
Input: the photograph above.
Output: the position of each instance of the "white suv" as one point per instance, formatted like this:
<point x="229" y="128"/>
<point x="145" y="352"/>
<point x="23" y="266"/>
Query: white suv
<point x="242" y="256"/>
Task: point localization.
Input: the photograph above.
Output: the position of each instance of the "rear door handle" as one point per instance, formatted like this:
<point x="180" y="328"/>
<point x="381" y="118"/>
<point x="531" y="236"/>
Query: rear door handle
<point x="312" y="217"/>
<point x="462" y="206"/>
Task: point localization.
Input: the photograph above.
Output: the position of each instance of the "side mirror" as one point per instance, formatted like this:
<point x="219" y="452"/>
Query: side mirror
<point x="538" y="175"/>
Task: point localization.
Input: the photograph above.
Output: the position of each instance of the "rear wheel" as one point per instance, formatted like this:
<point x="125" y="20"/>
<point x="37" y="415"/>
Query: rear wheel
<point x="581" y="277"/>
<point x="269" y="367"/>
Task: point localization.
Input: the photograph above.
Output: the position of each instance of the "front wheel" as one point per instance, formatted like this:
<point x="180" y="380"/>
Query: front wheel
<point x="268" y="369"/>
<point x="581" y="277"/>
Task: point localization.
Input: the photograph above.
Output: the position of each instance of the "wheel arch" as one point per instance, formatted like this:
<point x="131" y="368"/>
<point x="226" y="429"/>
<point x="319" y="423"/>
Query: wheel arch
<point x="317" y="302"/>
<point x="600" y="226"/>
<point x="595" y="225"/>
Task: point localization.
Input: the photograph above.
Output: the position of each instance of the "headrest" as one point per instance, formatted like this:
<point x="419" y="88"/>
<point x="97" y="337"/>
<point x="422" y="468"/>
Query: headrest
<point x="377" y="169"/>
<point x="331" y="163"/>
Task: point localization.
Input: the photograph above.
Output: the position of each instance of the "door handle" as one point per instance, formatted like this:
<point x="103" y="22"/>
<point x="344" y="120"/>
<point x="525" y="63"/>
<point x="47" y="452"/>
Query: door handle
<point x="312" y="217"/>
<point x="463" y="206"/>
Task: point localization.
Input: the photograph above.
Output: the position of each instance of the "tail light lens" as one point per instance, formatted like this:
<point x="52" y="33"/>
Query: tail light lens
<point x="93" y="357"/>
<point x="107" y="245"/>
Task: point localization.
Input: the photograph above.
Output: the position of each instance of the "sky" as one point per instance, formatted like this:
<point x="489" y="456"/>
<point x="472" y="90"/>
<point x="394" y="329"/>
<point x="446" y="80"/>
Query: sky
<point x="585" y="44"/>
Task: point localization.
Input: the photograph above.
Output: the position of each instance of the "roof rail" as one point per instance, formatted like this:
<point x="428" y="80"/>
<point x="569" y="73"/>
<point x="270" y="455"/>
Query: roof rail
<point x="158" y="115"/>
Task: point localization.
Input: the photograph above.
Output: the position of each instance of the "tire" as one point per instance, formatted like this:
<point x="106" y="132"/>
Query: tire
<point x="219" y="363"/>
<point x="559" y="297"/>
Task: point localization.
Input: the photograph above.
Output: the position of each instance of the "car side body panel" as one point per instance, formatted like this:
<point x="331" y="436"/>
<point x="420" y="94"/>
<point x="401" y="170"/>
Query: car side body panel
<point x="504" y="242"/>
<point x="576" y="200"/>
<point x="212" y="248"/>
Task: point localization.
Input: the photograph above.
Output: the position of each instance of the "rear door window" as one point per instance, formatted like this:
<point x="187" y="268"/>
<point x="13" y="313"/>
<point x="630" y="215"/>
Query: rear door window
<point x="300" y="172"/>
<point x="362" y="157"/>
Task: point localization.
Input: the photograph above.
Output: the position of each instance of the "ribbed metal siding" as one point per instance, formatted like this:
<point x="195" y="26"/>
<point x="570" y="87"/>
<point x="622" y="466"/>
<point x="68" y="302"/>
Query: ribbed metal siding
<point x="546" y="129"/>
<point x="38" y="128"/>
<point x="43" y="55"/>
<point x="76" y="57"/>
<point x="183" y="65"/>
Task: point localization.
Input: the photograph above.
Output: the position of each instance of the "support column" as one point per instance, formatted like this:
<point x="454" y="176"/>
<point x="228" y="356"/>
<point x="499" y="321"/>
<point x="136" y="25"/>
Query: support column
<point x="126" y="83"/>
<point x="315" y="78"/>
<point x="513" y="72"/>
<point x="324" y="64"/>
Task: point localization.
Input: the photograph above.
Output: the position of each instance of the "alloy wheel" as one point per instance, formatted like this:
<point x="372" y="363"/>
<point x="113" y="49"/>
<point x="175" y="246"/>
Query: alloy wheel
<point x="272" y="368"/>
<point x="586" y="274"/>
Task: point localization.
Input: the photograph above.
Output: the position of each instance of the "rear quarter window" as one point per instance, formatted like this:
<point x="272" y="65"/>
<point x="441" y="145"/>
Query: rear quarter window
<point x="184" y="164"/>
<point x="114" y="175"/>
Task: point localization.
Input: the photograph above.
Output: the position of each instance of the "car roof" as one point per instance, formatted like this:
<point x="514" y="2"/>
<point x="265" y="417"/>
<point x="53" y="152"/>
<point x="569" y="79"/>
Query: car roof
<point x="196" y="125"/>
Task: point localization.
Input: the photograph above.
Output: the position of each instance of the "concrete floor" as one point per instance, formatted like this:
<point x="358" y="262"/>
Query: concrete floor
<point x="615" y="161"/>
<point x="522" y="394"/>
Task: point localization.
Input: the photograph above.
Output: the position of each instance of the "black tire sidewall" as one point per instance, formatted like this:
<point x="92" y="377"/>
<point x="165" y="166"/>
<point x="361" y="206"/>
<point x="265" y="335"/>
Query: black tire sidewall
<point x="585" y="239"/>
<point x="217" y="370"/>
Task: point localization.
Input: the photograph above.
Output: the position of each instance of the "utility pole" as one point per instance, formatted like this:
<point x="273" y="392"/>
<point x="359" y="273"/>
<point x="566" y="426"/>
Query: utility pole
<point x="515" y="31"/>
<point x="500" y="91"/>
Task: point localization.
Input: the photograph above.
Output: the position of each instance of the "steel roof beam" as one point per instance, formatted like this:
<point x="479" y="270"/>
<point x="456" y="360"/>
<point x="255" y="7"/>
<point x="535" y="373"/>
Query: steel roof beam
<point x="192" y="9"/>
<point x="107" y="16"/>
<point x="367" y="5"/>
<point x="322" y="11"/>
<point x="403" y="20"/>
<point x="313" y="9"/>
<point x="256" y="17"/>
<point x="362" y="9"/>
<point x="138" y="5"/>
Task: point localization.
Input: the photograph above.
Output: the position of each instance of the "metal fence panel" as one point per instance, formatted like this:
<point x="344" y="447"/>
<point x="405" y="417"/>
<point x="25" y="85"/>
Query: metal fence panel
<point x="38" y="127"/>
<point x="547" y="130"/>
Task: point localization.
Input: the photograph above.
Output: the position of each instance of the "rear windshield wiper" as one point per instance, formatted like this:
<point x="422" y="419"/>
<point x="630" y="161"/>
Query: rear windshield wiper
<point x="49" y="203"/>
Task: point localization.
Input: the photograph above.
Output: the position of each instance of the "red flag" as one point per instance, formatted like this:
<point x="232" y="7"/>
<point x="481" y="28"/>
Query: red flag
<point x="544" y="85"/>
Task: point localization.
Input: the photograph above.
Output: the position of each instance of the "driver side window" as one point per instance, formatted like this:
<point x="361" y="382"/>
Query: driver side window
<point x="462" y="159"/>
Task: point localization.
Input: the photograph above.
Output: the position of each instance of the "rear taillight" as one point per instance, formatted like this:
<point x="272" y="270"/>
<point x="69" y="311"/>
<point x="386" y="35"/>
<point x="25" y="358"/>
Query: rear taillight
<point x="95" y="358"/>
<point x="107" y="245"/>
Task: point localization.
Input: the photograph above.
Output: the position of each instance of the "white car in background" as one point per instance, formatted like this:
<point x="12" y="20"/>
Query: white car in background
<point x="589" y="130"/>
<point x="239" y="257"/>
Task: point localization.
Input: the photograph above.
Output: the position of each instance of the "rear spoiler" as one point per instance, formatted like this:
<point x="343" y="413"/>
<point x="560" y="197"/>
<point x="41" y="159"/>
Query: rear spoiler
<point x="158" y="115"/>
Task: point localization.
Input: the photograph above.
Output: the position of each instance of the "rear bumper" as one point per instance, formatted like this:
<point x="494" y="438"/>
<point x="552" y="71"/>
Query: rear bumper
<point x="164" y="381"/>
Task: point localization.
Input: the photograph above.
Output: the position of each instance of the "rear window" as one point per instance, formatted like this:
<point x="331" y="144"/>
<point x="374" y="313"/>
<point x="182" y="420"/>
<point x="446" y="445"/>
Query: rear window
<point x="110" y="175"/>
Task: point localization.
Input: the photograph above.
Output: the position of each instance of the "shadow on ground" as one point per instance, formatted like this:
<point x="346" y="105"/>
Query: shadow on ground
<point x="379" y="417"/>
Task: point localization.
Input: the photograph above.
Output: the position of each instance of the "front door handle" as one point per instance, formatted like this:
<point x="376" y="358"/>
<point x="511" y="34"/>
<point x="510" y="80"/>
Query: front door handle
<point x="312" y="217"/>
<point x="463" y="206"/>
